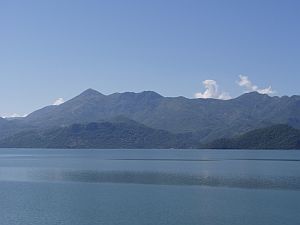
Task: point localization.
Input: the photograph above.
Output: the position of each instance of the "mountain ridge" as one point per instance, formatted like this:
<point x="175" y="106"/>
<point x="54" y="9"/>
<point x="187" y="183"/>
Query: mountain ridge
<point x="148" y="109"/>
<point x="206" y="119"/>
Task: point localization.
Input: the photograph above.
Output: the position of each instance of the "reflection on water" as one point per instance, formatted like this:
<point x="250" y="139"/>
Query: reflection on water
<point x="157" y="178"/>
<point x="242" y="169"/>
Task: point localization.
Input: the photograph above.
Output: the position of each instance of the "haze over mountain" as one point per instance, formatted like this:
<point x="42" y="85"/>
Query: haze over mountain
<point x="203" y="119"/>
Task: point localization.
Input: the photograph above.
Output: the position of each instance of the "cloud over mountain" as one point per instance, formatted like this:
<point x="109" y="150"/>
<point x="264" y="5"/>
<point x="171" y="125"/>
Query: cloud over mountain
<point x="58" y="101"/>
<point x="250" y="87"/>
<point x="212" y="91"/>
<point x="14" y="115"/>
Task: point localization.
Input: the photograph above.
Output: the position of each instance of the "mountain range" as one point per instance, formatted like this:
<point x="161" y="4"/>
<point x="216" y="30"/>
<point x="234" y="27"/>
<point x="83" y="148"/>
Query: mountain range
<point x="147" y="120"/>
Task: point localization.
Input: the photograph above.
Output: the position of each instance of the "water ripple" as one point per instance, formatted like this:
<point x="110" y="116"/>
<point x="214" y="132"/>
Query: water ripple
<point x="154" y="178"/>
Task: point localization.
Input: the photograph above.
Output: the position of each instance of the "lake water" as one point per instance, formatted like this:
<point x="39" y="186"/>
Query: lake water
<point x="149" y="187"/>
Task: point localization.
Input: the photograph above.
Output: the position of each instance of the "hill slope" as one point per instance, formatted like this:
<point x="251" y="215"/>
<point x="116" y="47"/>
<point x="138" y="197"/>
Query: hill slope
<point x="114" y="134"/>
<point x="274" y="137"/>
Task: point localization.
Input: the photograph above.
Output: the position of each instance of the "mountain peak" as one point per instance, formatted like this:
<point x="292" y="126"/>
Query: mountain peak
<point x="87" y="95"/>
<point x="253" y="95"/>
<point x="143" y="94"/>
<point x="152" y="94"/>
<point x="90" y="91"/>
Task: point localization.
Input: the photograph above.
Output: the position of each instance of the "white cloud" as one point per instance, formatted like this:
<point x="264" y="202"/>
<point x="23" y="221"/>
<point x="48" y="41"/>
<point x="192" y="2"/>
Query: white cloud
<point x="212" y="91"/>
<point x="58" y="101"/>
<point x="249" y="86"/>
<point x="15" y="115"/>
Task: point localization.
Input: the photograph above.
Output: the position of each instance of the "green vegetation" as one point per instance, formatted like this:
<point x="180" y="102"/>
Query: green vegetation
<point x="274" y="137"/>
<point x="117" y="134"/>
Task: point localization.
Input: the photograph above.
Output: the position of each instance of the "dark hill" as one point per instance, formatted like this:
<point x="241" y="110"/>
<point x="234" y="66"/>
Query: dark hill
<point x="118" y="133"/>
<point x="274" y="137"/>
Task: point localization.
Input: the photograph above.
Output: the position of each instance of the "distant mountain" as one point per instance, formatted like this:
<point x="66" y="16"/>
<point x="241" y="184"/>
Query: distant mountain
<point x="2" y="121"/>
<point x="10" y="126"/>
<point x="118" y="133"/>
<point x="274" y="137"/>
<point x="202" y="119"/>
<point x="91" y="106"/>
<point x="209" y="118"/>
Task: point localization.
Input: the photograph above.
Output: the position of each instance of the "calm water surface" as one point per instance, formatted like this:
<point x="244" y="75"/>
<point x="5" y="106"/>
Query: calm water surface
<point x="151" y="187"/>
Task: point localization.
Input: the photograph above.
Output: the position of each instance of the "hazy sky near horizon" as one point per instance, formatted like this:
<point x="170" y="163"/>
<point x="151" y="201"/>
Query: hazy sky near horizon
<point x="53" y="50"/>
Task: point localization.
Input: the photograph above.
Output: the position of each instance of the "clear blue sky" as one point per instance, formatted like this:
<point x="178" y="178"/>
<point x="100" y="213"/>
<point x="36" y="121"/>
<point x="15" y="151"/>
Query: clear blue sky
<point x="57" y="48"/>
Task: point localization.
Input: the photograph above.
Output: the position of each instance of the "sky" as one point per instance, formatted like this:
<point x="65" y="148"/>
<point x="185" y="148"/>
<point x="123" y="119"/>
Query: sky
<point x="50" y="51"/>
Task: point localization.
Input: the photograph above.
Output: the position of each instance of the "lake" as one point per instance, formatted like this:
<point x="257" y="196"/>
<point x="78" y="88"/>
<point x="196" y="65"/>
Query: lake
<point x="149" y="187"/>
